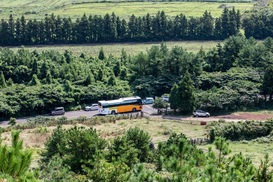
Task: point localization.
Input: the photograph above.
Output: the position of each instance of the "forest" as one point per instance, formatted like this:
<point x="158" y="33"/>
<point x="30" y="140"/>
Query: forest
<point x="111" y="28"/>
<point x="235" y="75"/>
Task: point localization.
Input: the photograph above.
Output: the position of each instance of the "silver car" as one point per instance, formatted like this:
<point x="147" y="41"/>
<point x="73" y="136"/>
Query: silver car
<point x="201" y="113"/>
<point x="92" y="107"/>
<point x="58" y="111"/>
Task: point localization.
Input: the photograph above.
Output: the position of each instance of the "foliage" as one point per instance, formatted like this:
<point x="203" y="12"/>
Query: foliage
<point x="186" y="94"/>
<point x="160" y="104"/>
<point x="111" y="28"/>
<point x="76" y="146"/>
<point x="176" y="159"/>
<point x="61" y="172"/>
<point x="15" y="161"/>
<point x="267" y="86"/>
<point x="133" y="147"/>
<point x="12" y="121"/>
<point x="240" y="130"/>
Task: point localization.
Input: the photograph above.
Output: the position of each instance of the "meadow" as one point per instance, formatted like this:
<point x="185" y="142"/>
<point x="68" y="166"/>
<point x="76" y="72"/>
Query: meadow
<point x="116" y="49"/>
<point x="159" y="129"/>
<point x="75" y="9"/>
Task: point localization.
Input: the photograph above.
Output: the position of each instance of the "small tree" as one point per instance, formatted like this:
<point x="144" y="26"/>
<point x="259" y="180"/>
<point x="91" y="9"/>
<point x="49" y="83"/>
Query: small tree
<point x="2" y="80"/>
<point x="12" y="121"/>
<point x="267" y="86"/>
<point x="34" y="81"/>
<point x="15" y="161"/>
<point x="174" y="101"/>
<point x="76" y="146"/>
<point x="159" y="104"/>
<point x="101" y="54"/>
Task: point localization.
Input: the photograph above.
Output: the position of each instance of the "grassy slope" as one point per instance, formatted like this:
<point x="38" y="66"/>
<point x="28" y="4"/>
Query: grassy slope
<point x="67" y="8"/>
<point x="158" y="129"/>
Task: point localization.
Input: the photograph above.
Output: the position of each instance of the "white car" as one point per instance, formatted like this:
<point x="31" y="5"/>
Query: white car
<point x="201" y="113"/>
<point x="148" y="100"/>
<point x="165" y="98"/>
<point x="58" y="111"/>
<point x="93" y="107"/>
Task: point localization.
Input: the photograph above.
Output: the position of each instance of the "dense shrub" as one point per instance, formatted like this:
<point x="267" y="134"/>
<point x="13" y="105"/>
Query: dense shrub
<point x="77" y="147"/>
<point x="240" y="130"/>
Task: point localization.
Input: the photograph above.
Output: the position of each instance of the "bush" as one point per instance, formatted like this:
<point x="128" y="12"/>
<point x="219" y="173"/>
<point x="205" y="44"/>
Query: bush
<point x="240" y="130"/>
<point x="76" y="146"/>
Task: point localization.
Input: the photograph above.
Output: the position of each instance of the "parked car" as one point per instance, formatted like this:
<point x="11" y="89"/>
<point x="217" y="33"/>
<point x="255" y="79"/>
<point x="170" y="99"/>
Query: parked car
<point x="165" y="98"/>
<point x="201" y="113"/>
<point x="58" y="111"/>
<point x="148" y="100"/>
<point x="92" y="107"/>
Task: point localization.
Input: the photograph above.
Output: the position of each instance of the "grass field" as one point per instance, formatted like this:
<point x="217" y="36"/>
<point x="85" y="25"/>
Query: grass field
<point x="159" y="130"/>
<point x="68" y="8"/>
<point x="115" y="49"/>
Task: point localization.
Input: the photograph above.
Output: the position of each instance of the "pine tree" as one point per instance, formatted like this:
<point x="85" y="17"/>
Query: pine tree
<point x="101" y="54"/>
<point x="174" y="102"/>
<point x="89" y="79"/>
<point x="267" y="86"/>
<point x="186" y="95"/>
<point x="34" y="81"/>
<point x="2" y="80"/>
<point x="14" y="160"/>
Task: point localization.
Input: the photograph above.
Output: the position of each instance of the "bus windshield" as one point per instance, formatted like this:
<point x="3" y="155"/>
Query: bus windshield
<point x="126" y="104"/>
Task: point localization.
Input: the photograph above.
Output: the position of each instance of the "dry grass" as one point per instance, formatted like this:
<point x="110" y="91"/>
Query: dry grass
<point x="116" y="49"/>
<point x="158" y="128"/>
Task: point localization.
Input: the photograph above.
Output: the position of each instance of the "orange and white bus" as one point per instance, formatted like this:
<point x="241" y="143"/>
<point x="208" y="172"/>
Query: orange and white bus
<point x="126" y="104"/>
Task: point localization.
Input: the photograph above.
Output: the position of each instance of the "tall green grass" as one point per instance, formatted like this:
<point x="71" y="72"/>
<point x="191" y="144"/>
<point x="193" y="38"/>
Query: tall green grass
<point x="68" y="8"/>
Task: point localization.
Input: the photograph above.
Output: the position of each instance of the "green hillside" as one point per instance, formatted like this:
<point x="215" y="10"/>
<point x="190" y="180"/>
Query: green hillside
<point x="70" y="8"/>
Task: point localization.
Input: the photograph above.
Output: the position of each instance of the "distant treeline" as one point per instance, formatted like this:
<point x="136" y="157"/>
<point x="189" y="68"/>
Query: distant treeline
<point x="111" y="28"/>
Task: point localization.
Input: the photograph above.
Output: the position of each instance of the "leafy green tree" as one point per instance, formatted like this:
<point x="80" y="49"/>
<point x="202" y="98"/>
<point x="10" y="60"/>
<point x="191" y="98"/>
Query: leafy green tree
<point x="186" y="94"/>
<point x="159" y="104"/>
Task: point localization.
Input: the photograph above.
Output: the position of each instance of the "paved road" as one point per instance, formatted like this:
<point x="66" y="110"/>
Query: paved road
<point x="148" y="109"/>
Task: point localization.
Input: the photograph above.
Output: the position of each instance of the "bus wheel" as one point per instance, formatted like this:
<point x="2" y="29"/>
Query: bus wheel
<point x="134" y="110"/>
<point x="113" y="112"/>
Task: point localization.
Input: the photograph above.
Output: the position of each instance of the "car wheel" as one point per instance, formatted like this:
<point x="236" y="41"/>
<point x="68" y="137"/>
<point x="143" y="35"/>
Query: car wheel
<point x="207" y="115"/>
<point x="113" y="112"/>
<point x="134" y="109"/>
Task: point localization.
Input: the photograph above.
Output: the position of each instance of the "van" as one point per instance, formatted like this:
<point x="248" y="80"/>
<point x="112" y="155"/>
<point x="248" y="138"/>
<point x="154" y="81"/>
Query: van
<point x="58" y="111"/>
